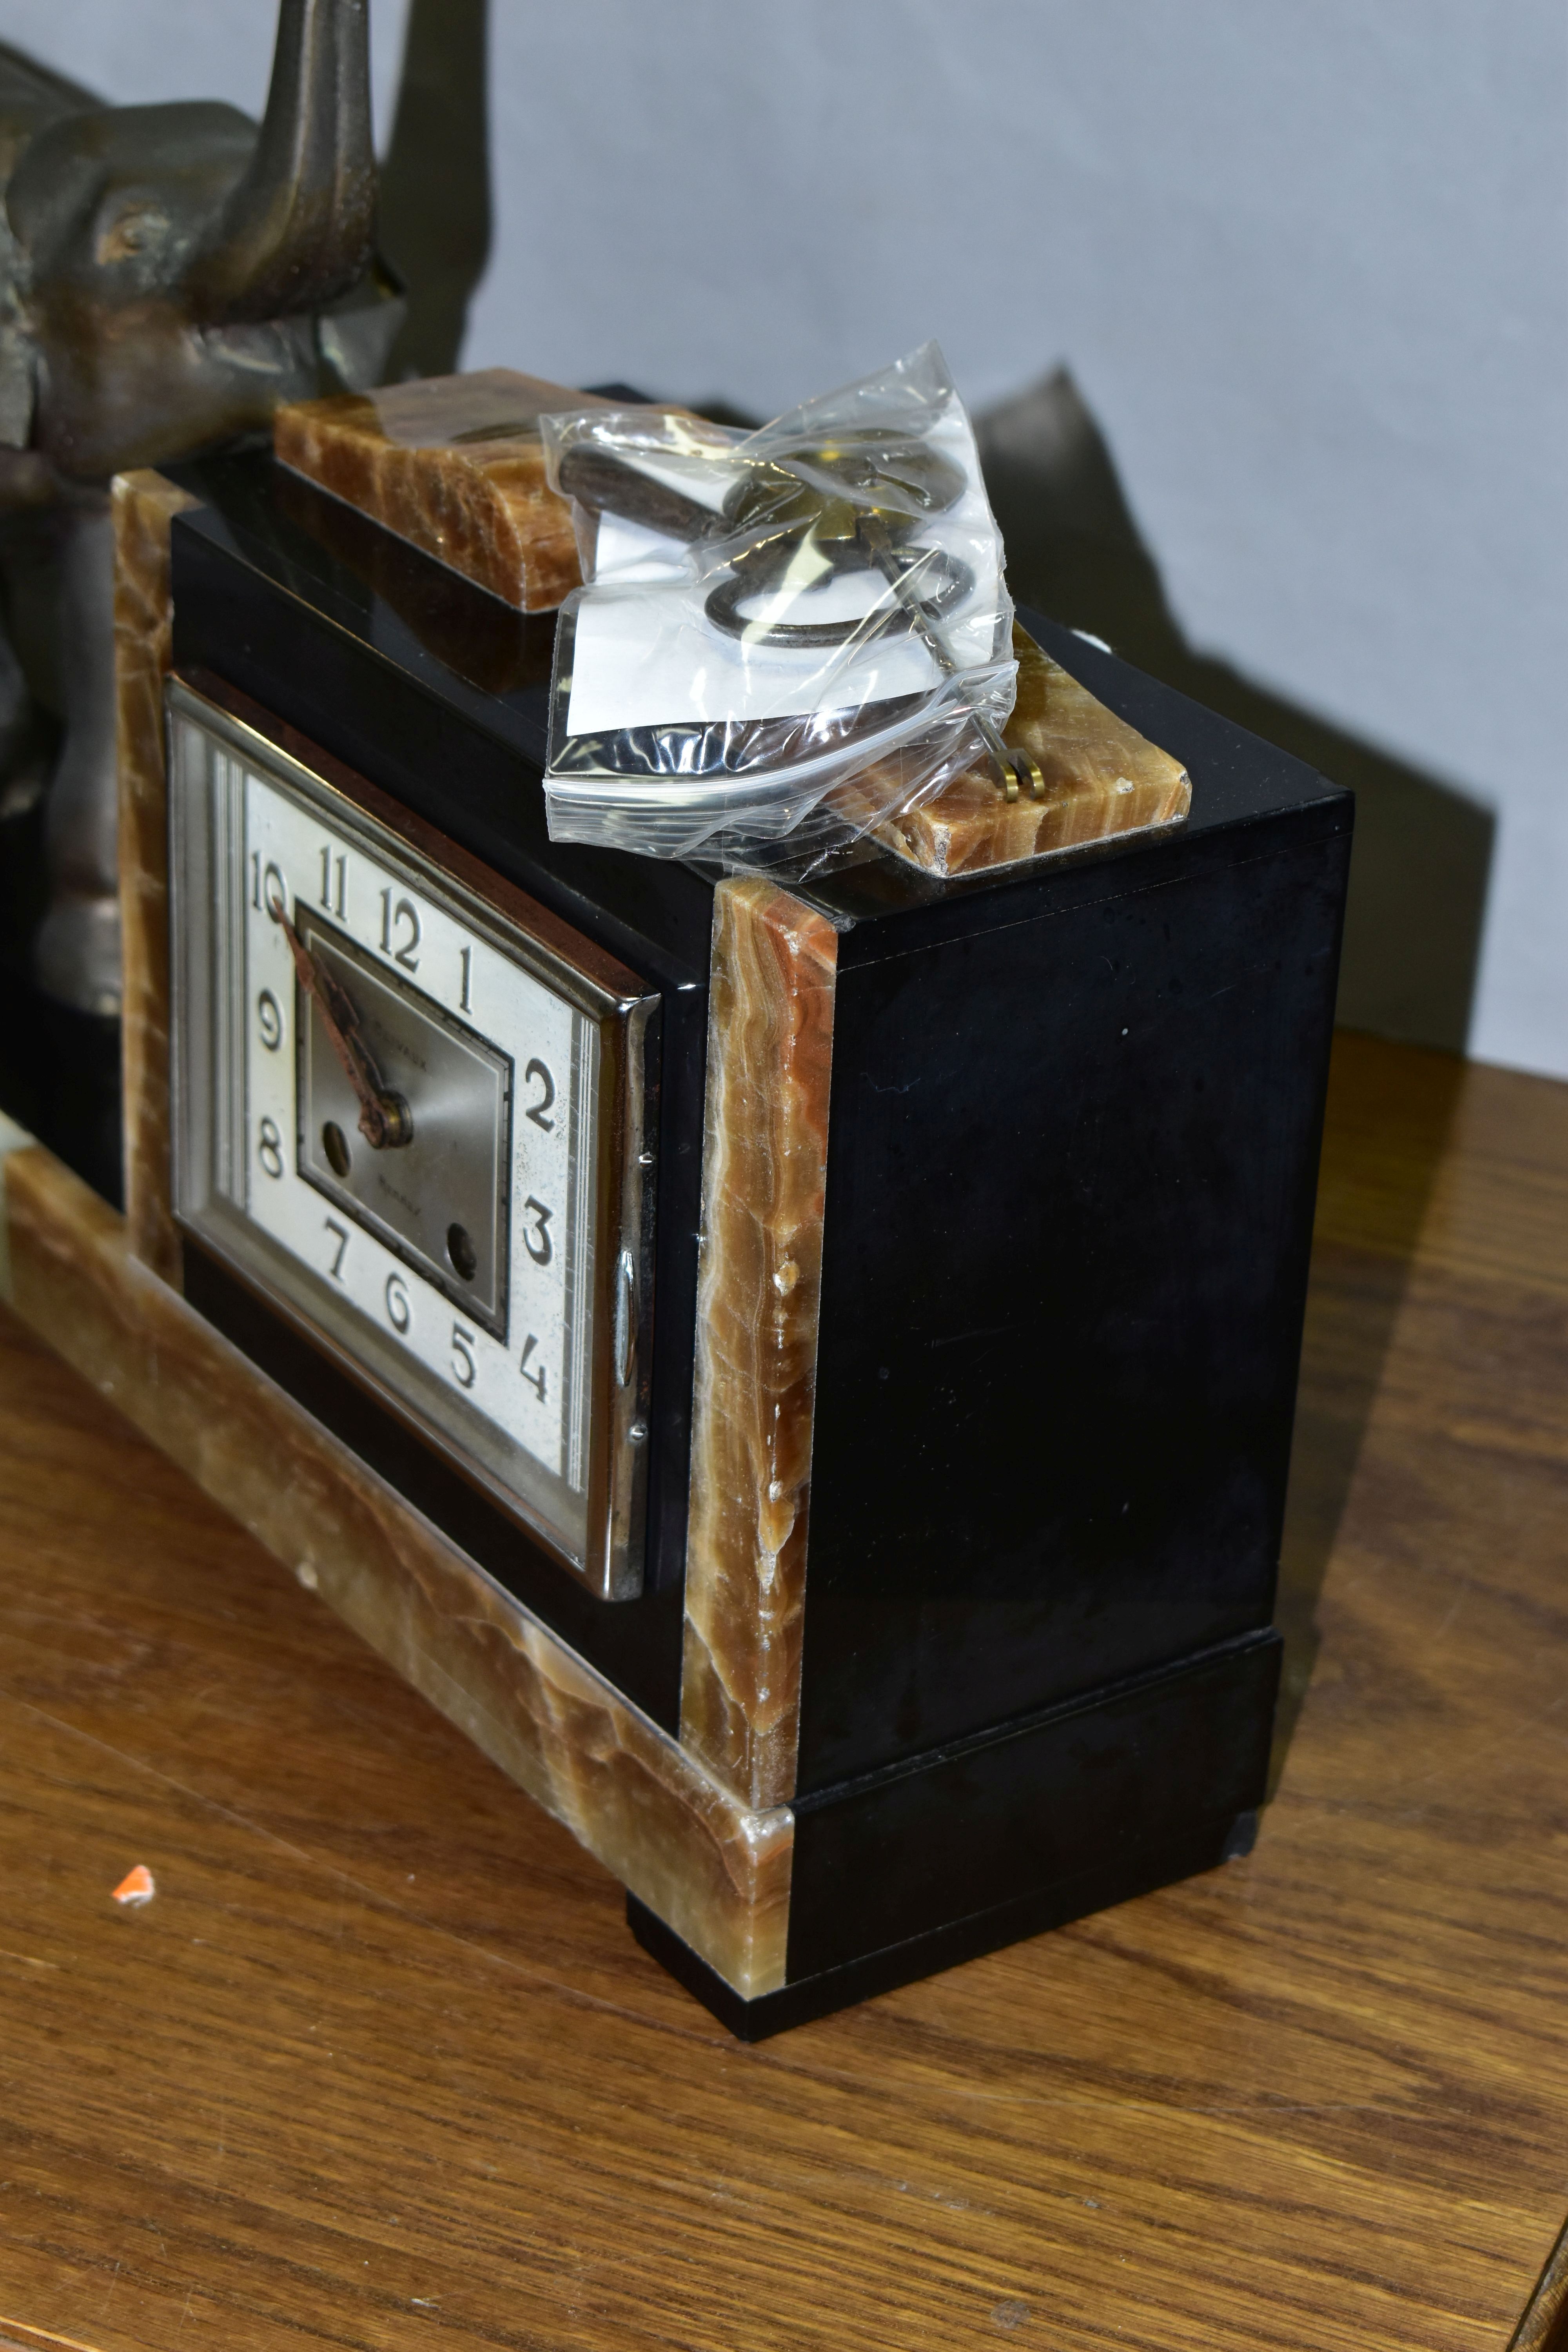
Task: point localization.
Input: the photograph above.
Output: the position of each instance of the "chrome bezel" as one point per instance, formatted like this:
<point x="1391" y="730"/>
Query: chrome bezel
<point x="207" y="1114"/>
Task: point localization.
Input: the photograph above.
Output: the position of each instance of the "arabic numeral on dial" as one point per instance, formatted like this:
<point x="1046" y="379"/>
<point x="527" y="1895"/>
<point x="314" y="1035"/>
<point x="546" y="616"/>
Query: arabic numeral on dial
<point x="269" y="1020"/>
<point x="396" y="921"/>
<point x="399" y="1314"/>
<point x="536" y="1378"/>
<point x="269" y="891"/>
<point x="464" y="1368"/>
<point x="341" y="1232"/>
<point x="269" y="1148"/>
<point x="536" y="1110"/>
<point x="466" y="958"/>
<point x="334" y="872"/>
<point x="536" y="1239"/>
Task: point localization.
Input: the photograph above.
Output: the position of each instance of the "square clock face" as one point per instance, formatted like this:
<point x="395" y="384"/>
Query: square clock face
<point x="409" y="1111"/>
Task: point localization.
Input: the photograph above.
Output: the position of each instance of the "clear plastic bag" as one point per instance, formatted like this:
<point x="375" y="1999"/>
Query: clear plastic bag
<point x="787" y="635"/>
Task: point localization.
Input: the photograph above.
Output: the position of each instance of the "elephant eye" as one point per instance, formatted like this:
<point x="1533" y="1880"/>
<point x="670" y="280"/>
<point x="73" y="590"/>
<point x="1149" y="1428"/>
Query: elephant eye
<point x="131" y="232"/>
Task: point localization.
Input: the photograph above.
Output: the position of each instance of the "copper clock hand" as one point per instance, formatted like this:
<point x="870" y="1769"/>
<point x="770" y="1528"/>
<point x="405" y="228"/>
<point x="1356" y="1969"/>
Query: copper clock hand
<point x="384" y="1118"/>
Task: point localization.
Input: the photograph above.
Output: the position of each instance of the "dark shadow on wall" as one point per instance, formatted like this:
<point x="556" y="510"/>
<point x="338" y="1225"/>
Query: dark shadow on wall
<point x="1418" y="879"/>
<point x="435" y="218"/>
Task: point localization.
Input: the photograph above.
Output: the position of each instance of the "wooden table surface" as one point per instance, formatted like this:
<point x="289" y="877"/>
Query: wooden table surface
<point x="380" y="2064"/>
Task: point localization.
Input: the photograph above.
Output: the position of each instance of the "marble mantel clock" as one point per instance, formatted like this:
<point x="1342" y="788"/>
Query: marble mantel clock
<point x="813" y="1366"/>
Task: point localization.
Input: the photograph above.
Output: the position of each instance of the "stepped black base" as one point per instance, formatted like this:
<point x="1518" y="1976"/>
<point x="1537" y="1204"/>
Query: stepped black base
<point x="908" y="1872"/>
<point x="927" y="1956"/>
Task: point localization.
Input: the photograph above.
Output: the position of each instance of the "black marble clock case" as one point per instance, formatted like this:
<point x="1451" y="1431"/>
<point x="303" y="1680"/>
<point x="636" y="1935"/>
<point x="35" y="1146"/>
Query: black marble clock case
<point x="1073" y="1144"/>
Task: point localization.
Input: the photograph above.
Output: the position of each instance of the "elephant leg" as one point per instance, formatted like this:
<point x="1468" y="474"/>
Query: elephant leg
<point x="76" y="954"/>
<point x="29" y="732"/>
<point x="15" y="713"/>
<point x="23" y="764"/>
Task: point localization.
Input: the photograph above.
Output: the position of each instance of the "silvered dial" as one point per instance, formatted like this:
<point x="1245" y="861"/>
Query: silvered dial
<point x="411" y="1123"/>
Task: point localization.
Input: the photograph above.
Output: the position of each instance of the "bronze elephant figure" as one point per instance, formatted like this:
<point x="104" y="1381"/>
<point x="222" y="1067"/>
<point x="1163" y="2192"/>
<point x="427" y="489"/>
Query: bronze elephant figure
<point x="168" y="275"/>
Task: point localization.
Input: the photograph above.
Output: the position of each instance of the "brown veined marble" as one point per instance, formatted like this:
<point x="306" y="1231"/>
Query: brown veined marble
<point x="716" y="1870"/>
<point x="145" y="506"/>
<point x="1103" y="781"/>
<point x="770" y="1049"/>
<point x="454" y="464"/>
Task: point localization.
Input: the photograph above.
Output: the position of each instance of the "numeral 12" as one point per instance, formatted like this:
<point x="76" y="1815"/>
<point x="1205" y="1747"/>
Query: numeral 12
<point x="403" y="916"/>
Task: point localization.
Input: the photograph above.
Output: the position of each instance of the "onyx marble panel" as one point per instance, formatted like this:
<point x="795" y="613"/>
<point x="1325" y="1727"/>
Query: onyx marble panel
<point x="145" y="506"/>
<point x="770" y="1050"/>
<point x="454" y="465"/>
<point x="1104" y="783"/>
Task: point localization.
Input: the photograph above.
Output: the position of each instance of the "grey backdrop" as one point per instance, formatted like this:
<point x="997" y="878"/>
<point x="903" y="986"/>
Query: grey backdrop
<point x="1263" y="303"/>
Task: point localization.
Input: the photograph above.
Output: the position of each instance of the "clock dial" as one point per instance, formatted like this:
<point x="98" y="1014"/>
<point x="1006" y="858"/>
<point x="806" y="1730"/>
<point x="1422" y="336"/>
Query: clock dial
<point x="440" y="1192"/>
<point x="409" y="1119"/>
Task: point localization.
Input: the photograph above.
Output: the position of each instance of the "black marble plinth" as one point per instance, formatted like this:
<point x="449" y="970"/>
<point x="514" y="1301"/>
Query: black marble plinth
<point x="916" y="1869"/>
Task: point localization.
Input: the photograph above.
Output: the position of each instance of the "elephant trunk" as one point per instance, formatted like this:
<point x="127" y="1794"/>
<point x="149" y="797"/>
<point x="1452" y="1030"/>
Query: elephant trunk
<point x="296" y="232"/>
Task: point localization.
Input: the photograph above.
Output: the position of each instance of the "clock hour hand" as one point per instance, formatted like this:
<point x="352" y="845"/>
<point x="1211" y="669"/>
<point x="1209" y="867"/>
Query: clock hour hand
<point x="384" y="1118"/>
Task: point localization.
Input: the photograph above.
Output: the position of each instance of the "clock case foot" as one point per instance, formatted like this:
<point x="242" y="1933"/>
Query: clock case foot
<point x="908" y="1873"/>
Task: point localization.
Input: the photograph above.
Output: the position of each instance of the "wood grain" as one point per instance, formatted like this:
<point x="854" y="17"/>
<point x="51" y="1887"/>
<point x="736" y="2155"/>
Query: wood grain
<point x="1544" y="2325"/>
<point x="380" y="2062"/>
<point x="716" y="1870"/>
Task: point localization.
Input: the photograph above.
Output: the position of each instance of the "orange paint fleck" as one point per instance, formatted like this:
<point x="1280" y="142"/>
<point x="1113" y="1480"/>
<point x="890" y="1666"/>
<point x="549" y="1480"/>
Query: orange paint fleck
<point x="136" y="1887"/>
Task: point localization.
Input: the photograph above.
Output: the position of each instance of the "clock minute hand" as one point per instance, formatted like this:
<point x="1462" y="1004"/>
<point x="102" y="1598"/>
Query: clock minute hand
<point x="384" y="1118"/>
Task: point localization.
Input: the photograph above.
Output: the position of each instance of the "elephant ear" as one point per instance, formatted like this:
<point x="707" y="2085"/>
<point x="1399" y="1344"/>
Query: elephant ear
<point x="31" y="99"/>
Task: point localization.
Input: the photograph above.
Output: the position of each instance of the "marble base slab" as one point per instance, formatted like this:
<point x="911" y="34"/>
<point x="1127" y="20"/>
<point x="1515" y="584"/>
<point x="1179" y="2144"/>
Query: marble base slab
<point x="454" y="465"/>
<point x="717" y="1870"/>
<point x="1104" y="781"/>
